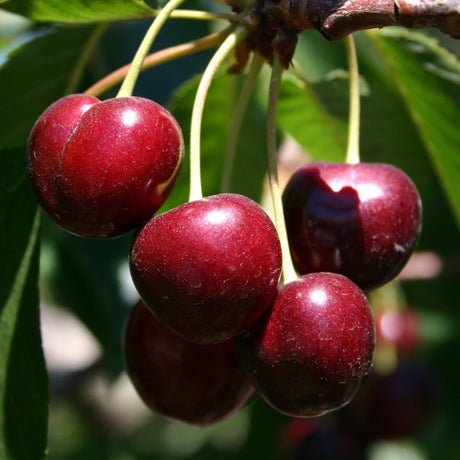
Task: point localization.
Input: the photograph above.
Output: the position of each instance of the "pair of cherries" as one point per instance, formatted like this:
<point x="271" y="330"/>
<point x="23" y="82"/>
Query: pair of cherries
<point x="209" y="269"/>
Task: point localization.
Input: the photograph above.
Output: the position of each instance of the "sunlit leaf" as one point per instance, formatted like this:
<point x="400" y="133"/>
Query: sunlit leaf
<point x="78" y="10"/>
<point x="427" y="77"/>
<point x="302" y="114"/>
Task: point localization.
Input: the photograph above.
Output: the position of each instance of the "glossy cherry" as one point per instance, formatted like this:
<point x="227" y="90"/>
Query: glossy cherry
<point x="309" y="352"/>
<point x="101" y="168"/>
<point x="208" y="268"/>
<point x="359" y="220"/>
<point x="180" y="380"/>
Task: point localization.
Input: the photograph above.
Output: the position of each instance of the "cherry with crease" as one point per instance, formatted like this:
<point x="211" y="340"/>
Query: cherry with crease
<point x="101" y="168"/>
<point x="360" y="220"/>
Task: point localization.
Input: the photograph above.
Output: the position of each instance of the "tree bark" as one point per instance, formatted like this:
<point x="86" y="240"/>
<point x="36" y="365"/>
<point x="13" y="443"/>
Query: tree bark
<point x="338" y="18"/>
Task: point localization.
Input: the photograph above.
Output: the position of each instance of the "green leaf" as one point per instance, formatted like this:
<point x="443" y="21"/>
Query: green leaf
<point x="23" y="376"/>
<point x="250" y="163"/>
<point x="78" y="10"/>
<point x="36" y="74"/>
<point x="317" y="57"/>
<point x="302" y="114"/>
<point x="427" y="77"/>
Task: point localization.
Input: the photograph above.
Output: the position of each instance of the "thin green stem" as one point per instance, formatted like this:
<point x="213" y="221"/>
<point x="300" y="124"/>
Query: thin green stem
<point x="197" y="112"/>
<point x="354" y="103"/>
<point x="159" y="57"/>
<point x="127" y="87"/>
<point x="202" y="15"/>
<point x="237" y="119"/>
<point x="289" y="273"/>
<point x="84" y="57"/>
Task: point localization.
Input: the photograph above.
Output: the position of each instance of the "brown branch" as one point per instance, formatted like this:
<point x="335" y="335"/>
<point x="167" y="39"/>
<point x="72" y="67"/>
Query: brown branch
<point x="442" y="14"/>
<point x="338" y="18"/>
<point x="274" y="24"/>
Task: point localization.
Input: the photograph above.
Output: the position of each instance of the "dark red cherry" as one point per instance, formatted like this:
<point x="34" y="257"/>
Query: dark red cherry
<point x="208" y="268"/>
<point x="359" y="220"/>
<point x="309" y="352"/>
<point x="181" y="380"/>
<point x="102" y="168"/>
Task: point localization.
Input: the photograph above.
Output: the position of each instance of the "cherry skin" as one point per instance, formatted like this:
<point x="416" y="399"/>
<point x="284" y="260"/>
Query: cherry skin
<point x="46" y="142"/>
<point x="102" y="168"/>
<point x="309" y="352"/>
<point x="208" y="268"/>
<point x="360" y="220"/>
<point x="181" y="380"/>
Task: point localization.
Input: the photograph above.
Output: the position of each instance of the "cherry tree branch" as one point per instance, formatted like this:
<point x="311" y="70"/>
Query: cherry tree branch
<point x="338" y="18"/>
<point x="274" y="24"/>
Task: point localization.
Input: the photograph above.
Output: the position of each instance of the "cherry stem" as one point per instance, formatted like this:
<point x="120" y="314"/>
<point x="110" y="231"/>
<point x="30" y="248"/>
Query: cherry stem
<point x="202" y="15"/>
<point x="289" y="273"/>
<point x="197" y="112"/>
<point x="127" y="86"/>
<point x="159" y="57"/>
<point x="354" y="102"/>
<point x="237" y="118"/>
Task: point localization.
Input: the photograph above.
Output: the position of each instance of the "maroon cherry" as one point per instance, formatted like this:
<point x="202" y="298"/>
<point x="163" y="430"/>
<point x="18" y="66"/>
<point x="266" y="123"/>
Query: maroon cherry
<point x="208" y="268"/>
<point x="101" y="168"/>
<point x="181" y="380"/>
<point x="309" y="352"/>
<point x="359" y="220"/>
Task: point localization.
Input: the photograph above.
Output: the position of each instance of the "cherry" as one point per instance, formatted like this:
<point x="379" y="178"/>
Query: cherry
<point x="101" y="168"/>
<point x="208" y="268"/>
<point x="359" y="220"/>
<point x="181" y="380"/>
<point x="309" y="352"/>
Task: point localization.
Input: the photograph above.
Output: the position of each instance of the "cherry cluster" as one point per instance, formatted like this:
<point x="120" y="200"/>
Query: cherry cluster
<point x="215" y="322"/>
